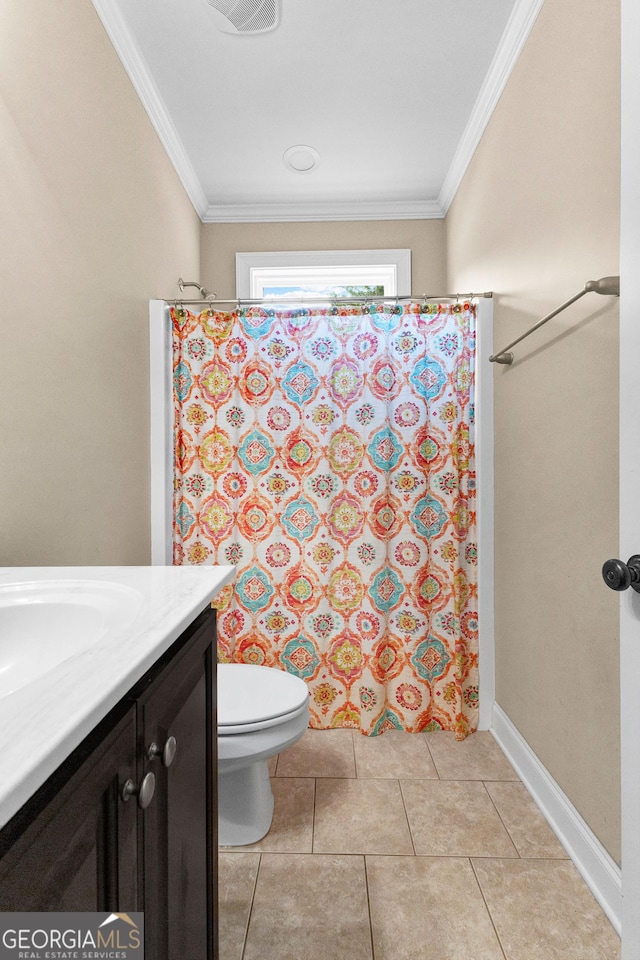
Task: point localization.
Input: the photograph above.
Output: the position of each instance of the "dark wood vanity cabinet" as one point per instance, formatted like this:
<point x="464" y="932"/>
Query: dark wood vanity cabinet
<point x="177" y="836"/>
<point x="73" y="846"/>
<point x="78" y="845"/>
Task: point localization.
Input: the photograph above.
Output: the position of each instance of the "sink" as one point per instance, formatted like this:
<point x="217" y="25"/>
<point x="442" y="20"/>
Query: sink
<point x="43" y="624"/>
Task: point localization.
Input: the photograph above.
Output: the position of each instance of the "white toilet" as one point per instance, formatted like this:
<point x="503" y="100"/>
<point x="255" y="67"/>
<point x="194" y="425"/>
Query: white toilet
<point x="261" y="712"/>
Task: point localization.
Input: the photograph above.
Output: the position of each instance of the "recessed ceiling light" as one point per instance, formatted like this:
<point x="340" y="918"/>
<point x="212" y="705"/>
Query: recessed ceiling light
<point x="301" y="158"/>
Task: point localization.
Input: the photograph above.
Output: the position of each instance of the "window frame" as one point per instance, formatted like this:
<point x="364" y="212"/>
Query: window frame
<point x="388" y="268"/>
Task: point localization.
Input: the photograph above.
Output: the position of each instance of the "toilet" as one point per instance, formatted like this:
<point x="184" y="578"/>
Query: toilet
<point x="261" y="712"/>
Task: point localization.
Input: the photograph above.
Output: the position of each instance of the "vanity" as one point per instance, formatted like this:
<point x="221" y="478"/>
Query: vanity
<point x="108" y="747"/>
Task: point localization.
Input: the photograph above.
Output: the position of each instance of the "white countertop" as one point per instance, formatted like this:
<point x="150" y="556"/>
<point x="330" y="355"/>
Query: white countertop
<point x="42" y="723"/>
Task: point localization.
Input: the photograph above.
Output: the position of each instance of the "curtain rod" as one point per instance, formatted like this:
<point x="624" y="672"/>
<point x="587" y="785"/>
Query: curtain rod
<point x="607" y="286"/>
<point x="211" y="300"/>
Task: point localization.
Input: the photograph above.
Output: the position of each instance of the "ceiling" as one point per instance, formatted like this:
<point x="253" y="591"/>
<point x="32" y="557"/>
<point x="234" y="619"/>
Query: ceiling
<point x="393" y="95"/>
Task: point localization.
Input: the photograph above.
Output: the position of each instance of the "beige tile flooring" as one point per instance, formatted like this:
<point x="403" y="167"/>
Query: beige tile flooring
<point x="405" y="847"/>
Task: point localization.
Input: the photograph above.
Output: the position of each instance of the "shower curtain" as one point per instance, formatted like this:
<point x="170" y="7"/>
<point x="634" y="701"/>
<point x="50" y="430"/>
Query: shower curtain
<point x="329" y="455"/>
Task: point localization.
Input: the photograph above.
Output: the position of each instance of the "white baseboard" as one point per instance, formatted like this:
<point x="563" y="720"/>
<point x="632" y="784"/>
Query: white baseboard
<point x="599" y="871"/>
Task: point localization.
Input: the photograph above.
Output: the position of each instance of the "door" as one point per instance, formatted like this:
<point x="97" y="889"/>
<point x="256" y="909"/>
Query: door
<point x="630" y="476"/>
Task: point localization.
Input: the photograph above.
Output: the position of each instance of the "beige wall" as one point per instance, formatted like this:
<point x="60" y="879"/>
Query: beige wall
<point x="425" y="238"/>
<point x="93" y="223"/>
<point x="537" y="215"/>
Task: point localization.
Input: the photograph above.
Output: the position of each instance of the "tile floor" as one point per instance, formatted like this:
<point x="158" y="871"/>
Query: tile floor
<point x="405" y="847"/>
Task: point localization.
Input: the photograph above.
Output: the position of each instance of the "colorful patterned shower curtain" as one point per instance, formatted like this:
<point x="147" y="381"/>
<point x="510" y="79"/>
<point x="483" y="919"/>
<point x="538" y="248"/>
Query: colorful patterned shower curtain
<point x="328" y="454"/>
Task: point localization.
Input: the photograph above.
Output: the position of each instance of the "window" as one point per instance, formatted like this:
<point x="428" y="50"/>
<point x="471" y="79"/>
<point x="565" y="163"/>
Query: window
<point x="313" y="273"/>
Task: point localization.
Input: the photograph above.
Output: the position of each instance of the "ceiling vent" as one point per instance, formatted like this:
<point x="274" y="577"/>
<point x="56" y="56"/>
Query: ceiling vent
<point x="246" y="16"/>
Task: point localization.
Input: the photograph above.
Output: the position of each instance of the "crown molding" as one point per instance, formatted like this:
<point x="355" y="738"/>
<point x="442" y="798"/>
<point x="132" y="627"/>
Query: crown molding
<point x="144" y="85"/>
<point x="519" y="25"/>
<point x="322" y="210"/>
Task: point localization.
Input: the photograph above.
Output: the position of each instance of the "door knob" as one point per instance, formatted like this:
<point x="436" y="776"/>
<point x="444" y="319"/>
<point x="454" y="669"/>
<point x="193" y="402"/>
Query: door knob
<point x="618" y="575"/>
<point x="144" y="792"/>
<point x="167" y="753"/>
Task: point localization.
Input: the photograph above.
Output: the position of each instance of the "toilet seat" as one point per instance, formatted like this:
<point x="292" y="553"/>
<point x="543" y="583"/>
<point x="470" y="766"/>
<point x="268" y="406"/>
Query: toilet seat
<point x="230" y="728"/>
<point x="254" y="698"/>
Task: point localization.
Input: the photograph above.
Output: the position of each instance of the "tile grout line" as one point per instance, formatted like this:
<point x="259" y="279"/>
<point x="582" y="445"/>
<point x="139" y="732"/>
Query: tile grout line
<point x="486" y="906"/>
<point x="355" y="758"/>
<point x="433" y="760"/>
<point x="366" y="886"/>
<point x="493" y="804"/>
<point x="250" y="912"/>
<point x="406" y="815"/>
<point x="521" y="856"/>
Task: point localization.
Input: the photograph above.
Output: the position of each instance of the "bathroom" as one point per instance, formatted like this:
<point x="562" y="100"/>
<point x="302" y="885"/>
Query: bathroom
<point x="95" y="223"/>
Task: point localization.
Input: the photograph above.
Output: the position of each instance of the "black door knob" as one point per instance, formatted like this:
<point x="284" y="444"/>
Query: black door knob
<point x="619" y="576"/>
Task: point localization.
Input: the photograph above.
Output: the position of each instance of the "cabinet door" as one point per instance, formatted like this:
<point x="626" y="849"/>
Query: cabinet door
<point x="75" y="841"/>
<point x="178" y="849"/>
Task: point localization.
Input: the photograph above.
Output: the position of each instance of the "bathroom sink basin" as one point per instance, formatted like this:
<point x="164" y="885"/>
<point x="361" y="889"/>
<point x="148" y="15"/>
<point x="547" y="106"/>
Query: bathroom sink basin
<point x="44" y="624"/>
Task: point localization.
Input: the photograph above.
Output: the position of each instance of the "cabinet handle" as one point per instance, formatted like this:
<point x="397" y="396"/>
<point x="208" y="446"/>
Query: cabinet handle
<point x="168" y="752"/>
<point x="144" y="792"/>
